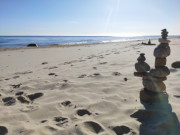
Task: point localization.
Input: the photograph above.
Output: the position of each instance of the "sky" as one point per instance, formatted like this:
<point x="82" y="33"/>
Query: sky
<point x="89" y="17"/>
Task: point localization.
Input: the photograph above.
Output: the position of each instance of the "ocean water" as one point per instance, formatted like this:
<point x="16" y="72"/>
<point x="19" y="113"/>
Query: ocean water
<point x="22" y="41"/>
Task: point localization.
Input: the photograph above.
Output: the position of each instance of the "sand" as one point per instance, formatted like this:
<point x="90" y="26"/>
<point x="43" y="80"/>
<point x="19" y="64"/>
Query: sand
<point x="84" y="90"/>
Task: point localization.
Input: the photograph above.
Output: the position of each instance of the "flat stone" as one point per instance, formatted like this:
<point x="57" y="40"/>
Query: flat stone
<point x="160" y="62"/>
<point x="161" y="40"/>
<point x="142" y="67"/>
<point x="162" y="52"/>
<point x="154" y="86"/>
<point x="140" y="74"/>
<point x="160" y="72"/>
<point x="176" y="64"/>
<point x="150" y="97"/>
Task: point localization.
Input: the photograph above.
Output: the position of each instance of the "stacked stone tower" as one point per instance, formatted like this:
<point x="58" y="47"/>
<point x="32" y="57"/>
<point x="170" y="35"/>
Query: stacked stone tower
<point x="154" y="87"/>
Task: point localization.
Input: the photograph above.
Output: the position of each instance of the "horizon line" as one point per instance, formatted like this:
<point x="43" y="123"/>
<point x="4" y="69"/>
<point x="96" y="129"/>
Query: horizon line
<point x="83" y="36"/>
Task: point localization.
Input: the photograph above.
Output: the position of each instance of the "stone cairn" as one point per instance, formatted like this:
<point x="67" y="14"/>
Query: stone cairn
<point x="154" y="87"/>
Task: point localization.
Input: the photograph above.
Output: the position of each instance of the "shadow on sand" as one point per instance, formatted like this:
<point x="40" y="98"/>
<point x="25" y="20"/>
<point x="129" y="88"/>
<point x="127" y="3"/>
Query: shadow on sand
<point x="157" y="119"/>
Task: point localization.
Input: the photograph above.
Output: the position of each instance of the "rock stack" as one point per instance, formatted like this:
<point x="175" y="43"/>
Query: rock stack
<point x="141" y="66"/>
<point x="154" y="87"/>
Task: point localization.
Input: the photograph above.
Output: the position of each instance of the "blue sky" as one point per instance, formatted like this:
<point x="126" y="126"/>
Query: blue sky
<point x="89" y="17"/>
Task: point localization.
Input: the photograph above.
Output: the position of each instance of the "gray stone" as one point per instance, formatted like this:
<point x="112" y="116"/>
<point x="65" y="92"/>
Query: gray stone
<point x="142" y="67"/>
<point x="176" y="64"/>
<point x="162" y="51"/>
<point x="154" y="86"/>
<point x="160" y="71"/>
<point x="32" y="45"/>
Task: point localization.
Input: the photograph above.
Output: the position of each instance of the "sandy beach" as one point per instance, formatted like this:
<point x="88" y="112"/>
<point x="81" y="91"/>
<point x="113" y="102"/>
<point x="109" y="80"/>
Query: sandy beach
<point x="84" y="90"/>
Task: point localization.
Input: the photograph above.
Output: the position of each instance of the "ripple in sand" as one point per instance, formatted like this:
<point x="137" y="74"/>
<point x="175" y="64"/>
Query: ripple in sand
<point x="29" y="108"/>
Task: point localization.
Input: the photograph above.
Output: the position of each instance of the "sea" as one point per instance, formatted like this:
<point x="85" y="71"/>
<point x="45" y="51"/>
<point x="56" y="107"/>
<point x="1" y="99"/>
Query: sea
<point x="22" y="41"/>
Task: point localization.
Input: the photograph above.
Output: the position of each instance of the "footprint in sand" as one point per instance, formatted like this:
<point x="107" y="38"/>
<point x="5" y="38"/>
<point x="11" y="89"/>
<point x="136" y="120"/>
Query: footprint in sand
<point x="43" y="121"/>
<point x="66" y="103"/>
<point x="116" y="73"/>
<point x="19" y="93"/>
<point x="65" y="63"/>
<point x="83" y="112"/>
<point x="94" y="127"/>
<point x="102" y="63"/>
<point x="29" y="108"/>
<point x="65" y="84"/>
<point x="22" y="99"/>
<point x="50" y="74"/>
<point x="52" y="67"/>
<point x="25" y="72"/>
<point x="8" y="101"/>
<point x="61" y="121"/>
<point x="51" y="128"/>
<point x="3" y="130"/>
<point x="15" y="77"/>
<point x="34" y="96"/>
<point x="16" y="85"/>
<point x="121" y="130"/>
<point x="82" y="76"/>
<point x="95" y="75"/>
<point x="43" y="63"/>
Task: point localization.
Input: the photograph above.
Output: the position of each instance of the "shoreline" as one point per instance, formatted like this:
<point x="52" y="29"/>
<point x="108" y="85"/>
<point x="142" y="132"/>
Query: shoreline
<point x="74" y="45"/>
<point x="71" y="45"/>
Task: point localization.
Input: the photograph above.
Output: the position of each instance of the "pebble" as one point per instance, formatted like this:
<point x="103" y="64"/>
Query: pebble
<point x="176" y="64"/>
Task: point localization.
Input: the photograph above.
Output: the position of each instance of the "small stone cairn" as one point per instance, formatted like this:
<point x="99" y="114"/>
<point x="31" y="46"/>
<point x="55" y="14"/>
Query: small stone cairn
<point x="154" y="87"/>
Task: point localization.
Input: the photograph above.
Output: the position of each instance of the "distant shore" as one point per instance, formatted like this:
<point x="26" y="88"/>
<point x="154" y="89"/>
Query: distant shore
<point x="23" y="41"/>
